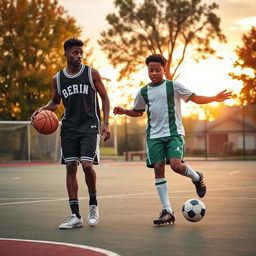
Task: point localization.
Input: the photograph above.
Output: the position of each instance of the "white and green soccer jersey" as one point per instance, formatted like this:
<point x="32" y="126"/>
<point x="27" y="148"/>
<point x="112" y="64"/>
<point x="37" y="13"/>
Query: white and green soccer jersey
<point x="163" y="105"/>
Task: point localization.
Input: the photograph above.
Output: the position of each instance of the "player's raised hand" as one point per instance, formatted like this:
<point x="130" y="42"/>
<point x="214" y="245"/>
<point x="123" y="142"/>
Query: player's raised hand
<point x="224" y="95"/>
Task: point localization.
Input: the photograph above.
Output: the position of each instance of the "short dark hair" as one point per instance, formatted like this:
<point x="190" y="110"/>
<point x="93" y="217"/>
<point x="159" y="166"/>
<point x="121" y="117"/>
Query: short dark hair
<point x="156" y="58"/>
<point x="69" y="43"/>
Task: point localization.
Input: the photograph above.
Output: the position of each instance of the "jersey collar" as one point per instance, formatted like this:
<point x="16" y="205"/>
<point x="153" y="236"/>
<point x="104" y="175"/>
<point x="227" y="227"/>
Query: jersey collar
<point x="75" y="75"/>
<point x="155" y="85"/>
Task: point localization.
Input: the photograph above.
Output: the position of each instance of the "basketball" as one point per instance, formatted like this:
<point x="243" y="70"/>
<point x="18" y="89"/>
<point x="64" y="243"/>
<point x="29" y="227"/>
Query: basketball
<point x="45" y="122"/>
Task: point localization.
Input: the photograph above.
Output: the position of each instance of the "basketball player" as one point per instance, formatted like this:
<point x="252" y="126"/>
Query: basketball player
<point x="165" y="144"/>
<point x="77" y="85"/>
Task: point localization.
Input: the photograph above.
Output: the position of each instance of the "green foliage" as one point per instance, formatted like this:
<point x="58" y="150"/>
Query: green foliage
<point x="247" y="60"/>
<point x="32" y="33"/>
<point x="169" y="27"/>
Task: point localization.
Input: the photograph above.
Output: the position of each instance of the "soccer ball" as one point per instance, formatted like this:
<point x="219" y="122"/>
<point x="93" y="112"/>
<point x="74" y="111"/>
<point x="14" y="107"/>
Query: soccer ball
<point x="193" y="210"/>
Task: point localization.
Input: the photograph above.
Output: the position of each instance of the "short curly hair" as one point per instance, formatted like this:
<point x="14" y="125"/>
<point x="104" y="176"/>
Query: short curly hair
<point x="156" y="58"/>
<point x="69" y="43"/>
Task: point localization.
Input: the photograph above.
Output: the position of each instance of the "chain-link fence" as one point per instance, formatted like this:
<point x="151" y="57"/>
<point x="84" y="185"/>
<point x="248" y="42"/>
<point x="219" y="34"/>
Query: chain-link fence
<point x="231" y="136"/>
<point x="21" y="142"/>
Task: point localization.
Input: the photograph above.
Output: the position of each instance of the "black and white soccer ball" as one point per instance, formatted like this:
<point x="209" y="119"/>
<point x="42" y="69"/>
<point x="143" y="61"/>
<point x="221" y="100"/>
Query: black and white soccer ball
<point x="193" y="210"/>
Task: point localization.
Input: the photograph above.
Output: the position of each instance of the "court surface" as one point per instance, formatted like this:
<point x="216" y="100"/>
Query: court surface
<point x="33" y="202"/>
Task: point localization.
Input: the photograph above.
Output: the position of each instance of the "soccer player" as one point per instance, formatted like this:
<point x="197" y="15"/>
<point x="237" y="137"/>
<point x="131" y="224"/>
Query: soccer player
<point x="161" y="99"/>
<point x="78" y="85"/>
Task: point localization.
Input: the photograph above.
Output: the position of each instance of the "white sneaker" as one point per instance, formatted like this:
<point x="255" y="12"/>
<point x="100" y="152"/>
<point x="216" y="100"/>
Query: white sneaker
<point x="72" y="222"/>
<point x="93" y="215"/>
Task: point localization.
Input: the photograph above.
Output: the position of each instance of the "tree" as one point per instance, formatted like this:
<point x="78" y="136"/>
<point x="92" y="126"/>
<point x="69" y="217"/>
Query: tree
<point x="32" y="33"/>
<point x="174" y="28"/>
<point x="247" y="62"/>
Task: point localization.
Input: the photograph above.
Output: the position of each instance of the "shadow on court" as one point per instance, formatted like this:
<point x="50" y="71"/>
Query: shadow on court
<point x="33" y="202"/>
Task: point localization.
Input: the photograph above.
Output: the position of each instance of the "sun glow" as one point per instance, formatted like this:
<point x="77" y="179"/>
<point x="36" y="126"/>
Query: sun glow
<point x="120" y="91"/>
<point x="247" y="23"/>
<point x="207" y="78"/>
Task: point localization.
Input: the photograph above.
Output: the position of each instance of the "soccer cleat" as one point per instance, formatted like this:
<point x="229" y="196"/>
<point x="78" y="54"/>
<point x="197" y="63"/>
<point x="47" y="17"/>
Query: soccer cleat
<point x="72" y="222"/>
<point x="200" y="186"/>
<point x="93" y="215"/>
<point x="165" y="218"/>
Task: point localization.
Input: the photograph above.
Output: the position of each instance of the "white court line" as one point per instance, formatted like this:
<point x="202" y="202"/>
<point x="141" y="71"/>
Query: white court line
<point x="34" y="201"/>
<point x="96" y="249"/>
<point x="120" y="195"/>
<point x="134" y="195"/>
<point x="233" y="172"/>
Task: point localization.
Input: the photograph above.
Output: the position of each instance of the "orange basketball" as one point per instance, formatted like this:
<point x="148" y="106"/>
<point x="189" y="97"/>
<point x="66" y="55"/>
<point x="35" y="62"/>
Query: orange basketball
<point x="45" y="122"/>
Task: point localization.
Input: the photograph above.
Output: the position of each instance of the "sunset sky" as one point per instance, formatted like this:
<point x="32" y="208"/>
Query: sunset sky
<point x="207" y="77"/>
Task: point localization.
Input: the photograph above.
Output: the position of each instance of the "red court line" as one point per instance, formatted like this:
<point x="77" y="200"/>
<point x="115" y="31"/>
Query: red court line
<point x="128" y="164"/>
<point x="19" y="164"/>
<point x="13" y="247"/>
<point x="143" y="163"/>
<point x="112" y="163"/>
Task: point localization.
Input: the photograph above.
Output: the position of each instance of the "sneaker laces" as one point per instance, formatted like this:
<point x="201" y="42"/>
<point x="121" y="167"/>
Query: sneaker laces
<point x="92" y="212"/>
<point x="201" y="183"/>
<point x="163" y="214"/>
<point x="70" y="218"/>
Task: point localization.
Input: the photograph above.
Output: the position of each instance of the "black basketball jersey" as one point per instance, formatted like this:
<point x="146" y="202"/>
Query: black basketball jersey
<point x="79" y="97"/>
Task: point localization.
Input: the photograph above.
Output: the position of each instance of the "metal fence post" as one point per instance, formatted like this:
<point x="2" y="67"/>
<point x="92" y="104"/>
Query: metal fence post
<point x="29" y="143"/>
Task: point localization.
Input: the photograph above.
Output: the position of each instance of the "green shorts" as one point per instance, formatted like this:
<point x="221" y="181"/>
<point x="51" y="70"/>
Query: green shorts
<point x="160" y="150"/>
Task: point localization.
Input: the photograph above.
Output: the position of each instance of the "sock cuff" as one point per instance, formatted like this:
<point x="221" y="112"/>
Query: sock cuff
<point x="92" y="194"/>
<point x="187" y="169"/>
<point x="73" y="201"/>
<point x="160" y="181"/>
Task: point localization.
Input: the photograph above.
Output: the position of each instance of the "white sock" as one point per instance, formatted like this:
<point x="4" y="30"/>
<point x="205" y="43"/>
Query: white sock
<point x="191" y="173"/>
<point x="162" y="189"/>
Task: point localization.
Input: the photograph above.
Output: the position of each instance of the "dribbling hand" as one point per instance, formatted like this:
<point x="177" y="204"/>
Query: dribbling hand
<point x="35" y="113"/>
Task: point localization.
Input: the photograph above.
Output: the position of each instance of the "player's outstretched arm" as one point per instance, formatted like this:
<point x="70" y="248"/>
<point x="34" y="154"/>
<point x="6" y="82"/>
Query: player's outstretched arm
<point x="128" y="112"/>
<point x="223" y="95"/>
